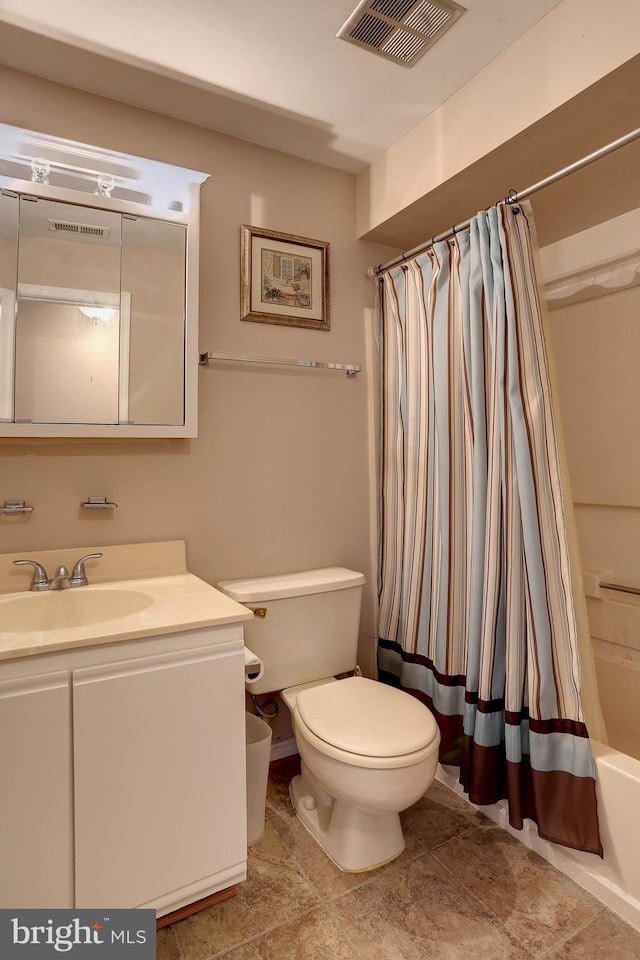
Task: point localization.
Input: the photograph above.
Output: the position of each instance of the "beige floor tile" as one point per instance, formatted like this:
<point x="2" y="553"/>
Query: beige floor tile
<point x="534" y="901"/>
<point x="439" y="816"/>
<point x="605" y="938"/>
<point x="312" y="937"/>
<point x="419" y="912"/>
<point x="278" y="786"/>
<point x="273" y="893"/>
<point x="167" y="945"/>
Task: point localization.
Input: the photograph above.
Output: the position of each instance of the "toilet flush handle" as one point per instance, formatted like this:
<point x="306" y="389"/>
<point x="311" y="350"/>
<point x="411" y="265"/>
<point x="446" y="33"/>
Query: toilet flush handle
<point x="259" y="612"/>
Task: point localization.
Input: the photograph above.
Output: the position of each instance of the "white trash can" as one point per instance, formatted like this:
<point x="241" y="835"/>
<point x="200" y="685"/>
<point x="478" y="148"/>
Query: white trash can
<point x="258" y="739"/>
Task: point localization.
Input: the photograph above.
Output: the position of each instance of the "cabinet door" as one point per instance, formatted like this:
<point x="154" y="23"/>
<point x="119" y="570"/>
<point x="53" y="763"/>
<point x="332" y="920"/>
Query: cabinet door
<point x="159" y="777"/>
<point x="35" y="792"/>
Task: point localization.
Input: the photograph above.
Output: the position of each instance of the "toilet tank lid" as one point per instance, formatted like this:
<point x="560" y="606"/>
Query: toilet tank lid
<point x="298" y="584"/>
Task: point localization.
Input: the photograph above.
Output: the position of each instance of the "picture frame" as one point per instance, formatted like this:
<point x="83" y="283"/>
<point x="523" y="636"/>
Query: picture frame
<point x="284" y="279"/>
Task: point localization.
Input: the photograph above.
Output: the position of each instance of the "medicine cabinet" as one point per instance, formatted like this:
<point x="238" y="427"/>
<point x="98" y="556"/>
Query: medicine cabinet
<point x="98" y="291"/>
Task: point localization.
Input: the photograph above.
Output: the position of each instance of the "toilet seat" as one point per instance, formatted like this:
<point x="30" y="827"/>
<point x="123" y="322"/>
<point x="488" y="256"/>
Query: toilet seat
<point x="366" y="723"/>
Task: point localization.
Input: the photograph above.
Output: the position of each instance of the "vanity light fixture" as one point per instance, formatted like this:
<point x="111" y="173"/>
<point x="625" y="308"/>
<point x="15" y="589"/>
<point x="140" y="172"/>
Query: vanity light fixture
<point x="99" y="314"/>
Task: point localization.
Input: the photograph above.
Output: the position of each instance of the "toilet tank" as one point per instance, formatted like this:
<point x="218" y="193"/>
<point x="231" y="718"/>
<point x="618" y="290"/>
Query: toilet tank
<point x="310" y="626"/>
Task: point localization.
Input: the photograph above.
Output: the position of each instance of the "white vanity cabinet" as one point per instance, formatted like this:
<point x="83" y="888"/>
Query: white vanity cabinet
<point x="35" y="782"/>
<point x="123" y="773"/>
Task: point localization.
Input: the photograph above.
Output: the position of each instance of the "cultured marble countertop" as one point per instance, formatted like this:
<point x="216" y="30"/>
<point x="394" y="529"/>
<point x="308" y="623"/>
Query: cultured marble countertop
<point x="165" y="604"/>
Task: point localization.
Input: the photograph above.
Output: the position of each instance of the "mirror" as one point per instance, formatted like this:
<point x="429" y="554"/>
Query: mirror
<point x="98" y="291"/>
<point x="99" y="329"/>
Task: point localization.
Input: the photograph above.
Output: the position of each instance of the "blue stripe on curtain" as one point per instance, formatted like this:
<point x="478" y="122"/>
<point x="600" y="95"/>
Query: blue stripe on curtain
<point x="476" y="613"/>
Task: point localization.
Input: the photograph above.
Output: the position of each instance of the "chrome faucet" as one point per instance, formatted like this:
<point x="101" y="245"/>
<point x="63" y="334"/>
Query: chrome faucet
<point x="62" y="579"/>
<point x="40" y="579"/>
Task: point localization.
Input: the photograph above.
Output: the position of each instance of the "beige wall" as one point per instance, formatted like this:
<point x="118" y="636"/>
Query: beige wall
<point x="278" y="478"/>
<point x="596" y="345"/>
<point x="521" y="118"/>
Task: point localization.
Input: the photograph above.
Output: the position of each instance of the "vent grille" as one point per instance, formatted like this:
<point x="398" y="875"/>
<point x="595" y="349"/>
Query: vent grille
<point x="79" y="229"/>
<point x="400" y="30"/>
<point x="371" y="31"/>
<point x="404" y="46"/>
<point x="394" y="9"/>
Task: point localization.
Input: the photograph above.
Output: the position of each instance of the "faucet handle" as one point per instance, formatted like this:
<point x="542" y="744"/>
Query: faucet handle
<point x="79" y="577"/>
<point x="40" y="579"/>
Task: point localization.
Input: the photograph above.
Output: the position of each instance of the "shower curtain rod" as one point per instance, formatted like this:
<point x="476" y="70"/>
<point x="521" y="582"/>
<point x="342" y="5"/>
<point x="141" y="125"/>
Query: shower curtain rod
<point x="512" y="198"/>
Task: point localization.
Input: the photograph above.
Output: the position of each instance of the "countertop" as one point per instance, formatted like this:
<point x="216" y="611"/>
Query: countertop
<point x="173" y="603"/>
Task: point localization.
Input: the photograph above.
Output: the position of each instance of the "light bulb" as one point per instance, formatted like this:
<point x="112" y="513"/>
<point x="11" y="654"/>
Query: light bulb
<point x="106" y="183"/>
<point x="40" y="170"/>
<point x="98" y="314"/>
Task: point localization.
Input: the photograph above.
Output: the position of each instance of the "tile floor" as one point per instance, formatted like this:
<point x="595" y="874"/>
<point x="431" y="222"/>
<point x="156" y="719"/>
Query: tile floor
<point x="463" y="888"/>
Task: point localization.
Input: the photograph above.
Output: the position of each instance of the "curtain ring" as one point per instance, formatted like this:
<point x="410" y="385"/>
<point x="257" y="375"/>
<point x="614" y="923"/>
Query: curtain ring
<point x="511" y="197"/>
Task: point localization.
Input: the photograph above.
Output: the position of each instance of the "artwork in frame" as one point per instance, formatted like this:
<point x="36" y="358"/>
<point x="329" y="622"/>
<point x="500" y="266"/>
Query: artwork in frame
<point x="285" y="279"/>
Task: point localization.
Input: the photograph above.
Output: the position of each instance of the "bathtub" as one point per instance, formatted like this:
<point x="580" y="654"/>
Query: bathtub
<point x="615" y="880"/>
<point x="614" y="623"/>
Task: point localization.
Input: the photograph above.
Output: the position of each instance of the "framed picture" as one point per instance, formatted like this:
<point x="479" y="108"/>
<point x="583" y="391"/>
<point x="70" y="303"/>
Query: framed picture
<point x="285" y="279"/>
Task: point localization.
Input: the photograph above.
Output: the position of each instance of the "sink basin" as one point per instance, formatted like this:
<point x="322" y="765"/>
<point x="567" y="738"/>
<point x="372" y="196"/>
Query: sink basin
<point x="76" y="607"/>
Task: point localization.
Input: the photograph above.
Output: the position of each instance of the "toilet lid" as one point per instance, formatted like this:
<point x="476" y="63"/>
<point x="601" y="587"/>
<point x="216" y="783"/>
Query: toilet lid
<point x="366" y="717"/>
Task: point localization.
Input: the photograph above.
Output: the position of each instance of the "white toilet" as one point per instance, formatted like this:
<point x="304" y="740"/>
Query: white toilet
<point x="368" y="750"/>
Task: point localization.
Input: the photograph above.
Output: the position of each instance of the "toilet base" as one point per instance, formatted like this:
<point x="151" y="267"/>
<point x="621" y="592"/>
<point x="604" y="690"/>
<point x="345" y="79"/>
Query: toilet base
<point x="355" y="840"/>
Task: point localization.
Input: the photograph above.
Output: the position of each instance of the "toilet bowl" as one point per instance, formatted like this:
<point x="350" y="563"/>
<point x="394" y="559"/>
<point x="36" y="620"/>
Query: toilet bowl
<point x="368" y="751"/>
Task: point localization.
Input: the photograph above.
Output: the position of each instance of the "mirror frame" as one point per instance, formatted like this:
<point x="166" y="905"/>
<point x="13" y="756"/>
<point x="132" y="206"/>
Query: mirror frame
<point x="172" y="194"/>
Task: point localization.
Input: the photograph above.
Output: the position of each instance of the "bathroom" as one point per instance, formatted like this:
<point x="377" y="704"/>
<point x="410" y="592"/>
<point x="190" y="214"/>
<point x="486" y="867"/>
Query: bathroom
<point x="281" y="475"/>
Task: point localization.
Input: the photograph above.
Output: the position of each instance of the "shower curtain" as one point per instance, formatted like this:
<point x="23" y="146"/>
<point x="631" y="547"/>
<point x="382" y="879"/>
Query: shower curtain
<point x="476" y="614"/>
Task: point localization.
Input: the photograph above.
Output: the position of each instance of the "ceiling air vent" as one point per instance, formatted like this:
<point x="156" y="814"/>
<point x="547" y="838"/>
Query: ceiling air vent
<point x="400" y="30"/>
<point x="80" y="229"/>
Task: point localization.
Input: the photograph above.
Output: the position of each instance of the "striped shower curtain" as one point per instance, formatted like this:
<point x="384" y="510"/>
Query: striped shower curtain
<point x="476" y="615"/>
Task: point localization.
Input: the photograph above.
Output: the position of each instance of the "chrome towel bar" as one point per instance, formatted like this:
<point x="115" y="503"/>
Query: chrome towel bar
<point x="619" y="587"/>
<point x="350" y="369"/>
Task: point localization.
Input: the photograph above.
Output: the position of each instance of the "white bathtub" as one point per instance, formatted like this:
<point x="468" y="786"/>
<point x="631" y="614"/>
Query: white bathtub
<point x="616" y="879"/>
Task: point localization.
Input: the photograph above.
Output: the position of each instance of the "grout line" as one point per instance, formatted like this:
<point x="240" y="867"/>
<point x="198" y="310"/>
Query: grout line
<point x="298" y="865"/>
<point x="458" y="836"/>
<point x="394" y="865"/>
<point x="282" y="817"/>
<point x="278" y="816"/>
<point x="343" y="933"/>
<point x="436" y="854"/>
<point x="262" y="933"/>
<point x="367" y="879"/>
<point x="569" y="936"/>
<point x="486" y="909"/>
<point x="510" y="933"/>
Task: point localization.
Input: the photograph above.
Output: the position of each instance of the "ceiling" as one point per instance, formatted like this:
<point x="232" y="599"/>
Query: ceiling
<point x="270" y="72"/>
